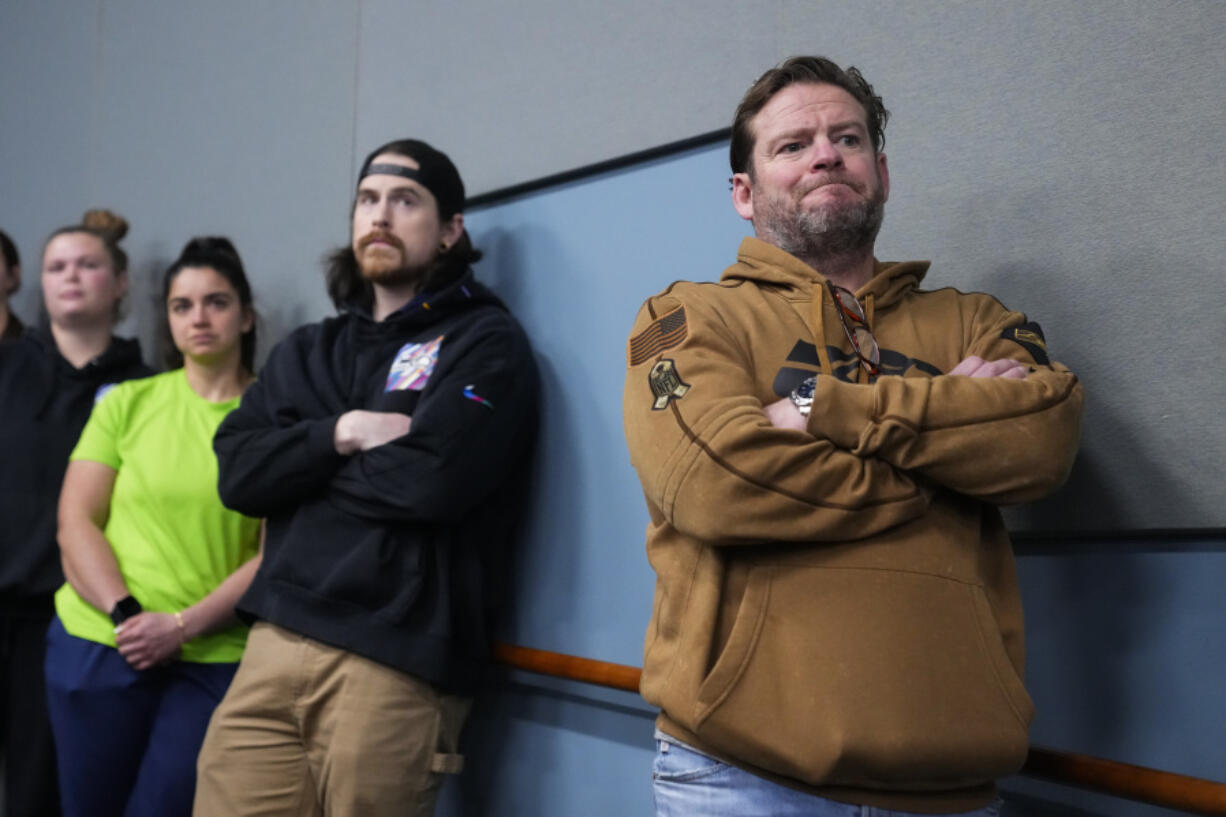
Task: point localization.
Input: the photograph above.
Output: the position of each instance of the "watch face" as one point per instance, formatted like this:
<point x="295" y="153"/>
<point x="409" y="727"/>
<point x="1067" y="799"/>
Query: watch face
<point x="806" y="388"/>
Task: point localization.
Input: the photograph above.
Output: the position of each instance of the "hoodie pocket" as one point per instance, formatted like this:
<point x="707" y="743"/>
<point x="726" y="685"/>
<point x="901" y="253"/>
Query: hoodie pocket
<point x="865" y="677"/>
<point x="351" y="563"/>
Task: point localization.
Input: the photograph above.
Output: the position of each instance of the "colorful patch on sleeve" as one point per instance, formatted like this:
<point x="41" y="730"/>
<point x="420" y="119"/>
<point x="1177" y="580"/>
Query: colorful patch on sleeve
<point x="664" y="333"/>
<point x="666" y="383"/>
<point x="413" y="365"/>
<point x="1030" y="337"/>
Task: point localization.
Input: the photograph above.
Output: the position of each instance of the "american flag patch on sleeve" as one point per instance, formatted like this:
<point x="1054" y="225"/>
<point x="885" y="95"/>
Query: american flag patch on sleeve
<point x="664" y="333"/>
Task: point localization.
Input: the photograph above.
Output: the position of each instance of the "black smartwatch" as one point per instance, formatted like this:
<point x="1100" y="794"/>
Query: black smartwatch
<point x="124" y="609"/>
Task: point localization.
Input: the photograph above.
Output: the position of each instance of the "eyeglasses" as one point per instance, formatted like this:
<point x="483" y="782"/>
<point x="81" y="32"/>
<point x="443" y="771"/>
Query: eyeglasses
<point x="862" y="340"/>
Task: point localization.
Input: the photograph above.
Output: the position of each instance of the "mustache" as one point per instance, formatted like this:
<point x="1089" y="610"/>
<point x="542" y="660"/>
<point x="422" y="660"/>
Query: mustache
<point x="832" y="179"/>
<point x="380" y="235"/>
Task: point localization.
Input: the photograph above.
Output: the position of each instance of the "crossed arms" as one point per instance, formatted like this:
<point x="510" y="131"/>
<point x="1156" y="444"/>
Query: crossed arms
<point x="727" y="466"/>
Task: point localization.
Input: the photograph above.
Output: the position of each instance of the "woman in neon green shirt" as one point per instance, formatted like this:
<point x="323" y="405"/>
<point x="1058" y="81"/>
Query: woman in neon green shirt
<point x="145" y="640"/>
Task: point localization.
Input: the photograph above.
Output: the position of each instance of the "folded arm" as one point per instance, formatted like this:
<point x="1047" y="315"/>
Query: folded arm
<point x="713" y="464"/>
<point x="269" y="457"/>
<point x="471" y="427"/>
<point x="1001" y="426"/>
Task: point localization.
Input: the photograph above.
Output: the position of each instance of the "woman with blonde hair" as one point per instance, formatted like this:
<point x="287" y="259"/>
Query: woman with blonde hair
<point x="145" y="639"/>
<point x="49" y="379"/>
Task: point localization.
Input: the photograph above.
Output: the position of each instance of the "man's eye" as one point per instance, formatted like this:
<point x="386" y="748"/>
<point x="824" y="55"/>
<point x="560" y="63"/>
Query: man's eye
<point x="849" y="139"/>
<point x="792" y="147"/>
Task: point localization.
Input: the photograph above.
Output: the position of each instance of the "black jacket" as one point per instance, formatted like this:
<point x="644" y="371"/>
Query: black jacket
<point x="396" y="553"/>
<point x="44" y="403"/>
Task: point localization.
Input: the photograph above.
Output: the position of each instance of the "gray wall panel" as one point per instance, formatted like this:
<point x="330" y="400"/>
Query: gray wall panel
<point x="232" y="118"/>
<point x="47" y="55"/>
<point x="522" y="90"/>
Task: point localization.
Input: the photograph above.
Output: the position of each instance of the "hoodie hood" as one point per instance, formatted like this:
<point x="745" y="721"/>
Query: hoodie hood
<point x="59" y="379"/>
<point x="462" y="294"/>
<point x="765" y="263"/>
<point x="121" y="355"/>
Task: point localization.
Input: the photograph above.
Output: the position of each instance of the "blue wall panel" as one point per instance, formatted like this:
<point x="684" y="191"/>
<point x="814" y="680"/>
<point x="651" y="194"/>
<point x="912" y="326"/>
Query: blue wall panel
<point x="575" y="263"/>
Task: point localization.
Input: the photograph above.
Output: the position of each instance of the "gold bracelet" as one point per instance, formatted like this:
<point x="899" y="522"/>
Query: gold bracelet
<point x="182" y="628"/>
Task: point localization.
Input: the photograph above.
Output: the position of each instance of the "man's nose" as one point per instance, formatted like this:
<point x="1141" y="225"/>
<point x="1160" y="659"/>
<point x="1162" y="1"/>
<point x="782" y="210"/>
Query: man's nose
<point x="381" y="214"/>
<point x="826" y="155"/>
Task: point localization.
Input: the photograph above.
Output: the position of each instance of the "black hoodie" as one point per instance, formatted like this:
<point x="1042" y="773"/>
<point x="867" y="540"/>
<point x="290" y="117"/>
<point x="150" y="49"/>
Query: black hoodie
<point x="44" y="403"/>
<point x="396" y="553"/>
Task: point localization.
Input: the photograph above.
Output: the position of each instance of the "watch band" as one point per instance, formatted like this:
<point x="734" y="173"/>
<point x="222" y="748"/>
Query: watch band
<point x="124" y="609"/>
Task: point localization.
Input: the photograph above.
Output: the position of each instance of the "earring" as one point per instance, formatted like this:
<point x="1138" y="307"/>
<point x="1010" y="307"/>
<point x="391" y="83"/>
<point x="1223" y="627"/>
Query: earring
<point x="442" y="246"/>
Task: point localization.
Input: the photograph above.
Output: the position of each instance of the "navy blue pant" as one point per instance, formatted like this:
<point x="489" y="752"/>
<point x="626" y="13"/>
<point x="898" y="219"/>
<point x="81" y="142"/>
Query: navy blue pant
<point x="126" y="741"/>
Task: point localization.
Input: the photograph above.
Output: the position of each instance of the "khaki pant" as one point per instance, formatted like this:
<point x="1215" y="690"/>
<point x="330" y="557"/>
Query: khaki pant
<point x="311" y="730"/>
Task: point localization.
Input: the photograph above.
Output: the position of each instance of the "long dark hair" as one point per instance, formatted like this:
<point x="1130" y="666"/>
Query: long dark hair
<point x="217" y="253"/>
<point x="11" y="257"/>
<point x="346" y="286"/>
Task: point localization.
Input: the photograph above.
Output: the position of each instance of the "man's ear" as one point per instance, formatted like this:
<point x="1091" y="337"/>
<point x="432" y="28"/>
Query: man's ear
<point x="883" y="168"/>
<point x="742" y="195"/>
<point x="452" y="229"/>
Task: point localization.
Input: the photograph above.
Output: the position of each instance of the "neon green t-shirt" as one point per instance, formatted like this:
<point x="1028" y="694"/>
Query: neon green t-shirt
<point x="173" y="539"/>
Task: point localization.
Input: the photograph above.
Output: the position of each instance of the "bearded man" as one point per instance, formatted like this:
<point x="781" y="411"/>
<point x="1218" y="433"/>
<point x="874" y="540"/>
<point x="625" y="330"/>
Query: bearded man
<point x="823" y="447"/>
<point x="386" y="448"/>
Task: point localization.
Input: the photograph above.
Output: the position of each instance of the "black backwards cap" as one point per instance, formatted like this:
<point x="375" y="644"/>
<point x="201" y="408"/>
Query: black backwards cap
<point x="434" y="171"/>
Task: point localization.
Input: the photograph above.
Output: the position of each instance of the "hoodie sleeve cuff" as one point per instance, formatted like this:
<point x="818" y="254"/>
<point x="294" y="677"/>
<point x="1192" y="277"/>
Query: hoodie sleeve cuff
<point x="840" y="412"/>
<point x="321" y="438"/>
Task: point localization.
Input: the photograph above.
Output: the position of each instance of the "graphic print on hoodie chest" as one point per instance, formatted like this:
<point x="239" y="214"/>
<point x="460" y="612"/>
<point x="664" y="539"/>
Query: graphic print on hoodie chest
<point x="413" y="365"/>
<point x="845" y="366"/>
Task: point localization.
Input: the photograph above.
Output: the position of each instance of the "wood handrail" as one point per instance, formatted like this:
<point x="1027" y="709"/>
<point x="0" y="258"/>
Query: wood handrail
<point x="1166" y="789"/>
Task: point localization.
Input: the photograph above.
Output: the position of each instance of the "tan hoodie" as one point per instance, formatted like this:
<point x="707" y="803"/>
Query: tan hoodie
<point x="838" y="610"/>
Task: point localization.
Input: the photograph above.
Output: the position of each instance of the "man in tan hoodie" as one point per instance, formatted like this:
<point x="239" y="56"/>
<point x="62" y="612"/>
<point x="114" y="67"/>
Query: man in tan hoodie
<point x="823" y="446"/>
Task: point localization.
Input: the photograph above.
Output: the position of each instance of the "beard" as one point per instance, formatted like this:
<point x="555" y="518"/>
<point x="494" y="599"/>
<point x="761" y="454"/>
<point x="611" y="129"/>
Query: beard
<point x="833" y="230"/>
<point x="386" y="266"/>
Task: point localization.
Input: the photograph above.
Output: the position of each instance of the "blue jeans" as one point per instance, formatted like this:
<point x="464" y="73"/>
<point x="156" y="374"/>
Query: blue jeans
<point x="688" y="783"/>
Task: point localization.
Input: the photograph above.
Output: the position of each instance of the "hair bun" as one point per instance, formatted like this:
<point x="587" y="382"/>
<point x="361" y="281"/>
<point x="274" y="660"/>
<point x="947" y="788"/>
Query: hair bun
<point x="112" y="225"/>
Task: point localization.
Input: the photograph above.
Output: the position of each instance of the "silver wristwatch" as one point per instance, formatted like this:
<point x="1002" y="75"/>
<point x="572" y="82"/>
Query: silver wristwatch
<point x="802" y="395"/>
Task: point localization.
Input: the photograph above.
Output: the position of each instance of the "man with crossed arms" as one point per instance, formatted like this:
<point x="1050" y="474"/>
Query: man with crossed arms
<point x="823" y="446"/>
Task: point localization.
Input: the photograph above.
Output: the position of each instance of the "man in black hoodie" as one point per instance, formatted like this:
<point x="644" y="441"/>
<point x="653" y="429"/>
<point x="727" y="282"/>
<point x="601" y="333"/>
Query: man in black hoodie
<point x="387" y="450"/>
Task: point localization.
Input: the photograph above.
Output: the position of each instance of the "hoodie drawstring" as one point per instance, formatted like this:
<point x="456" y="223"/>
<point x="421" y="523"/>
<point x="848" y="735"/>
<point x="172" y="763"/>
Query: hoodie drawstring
<point x="818" y="307"/>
